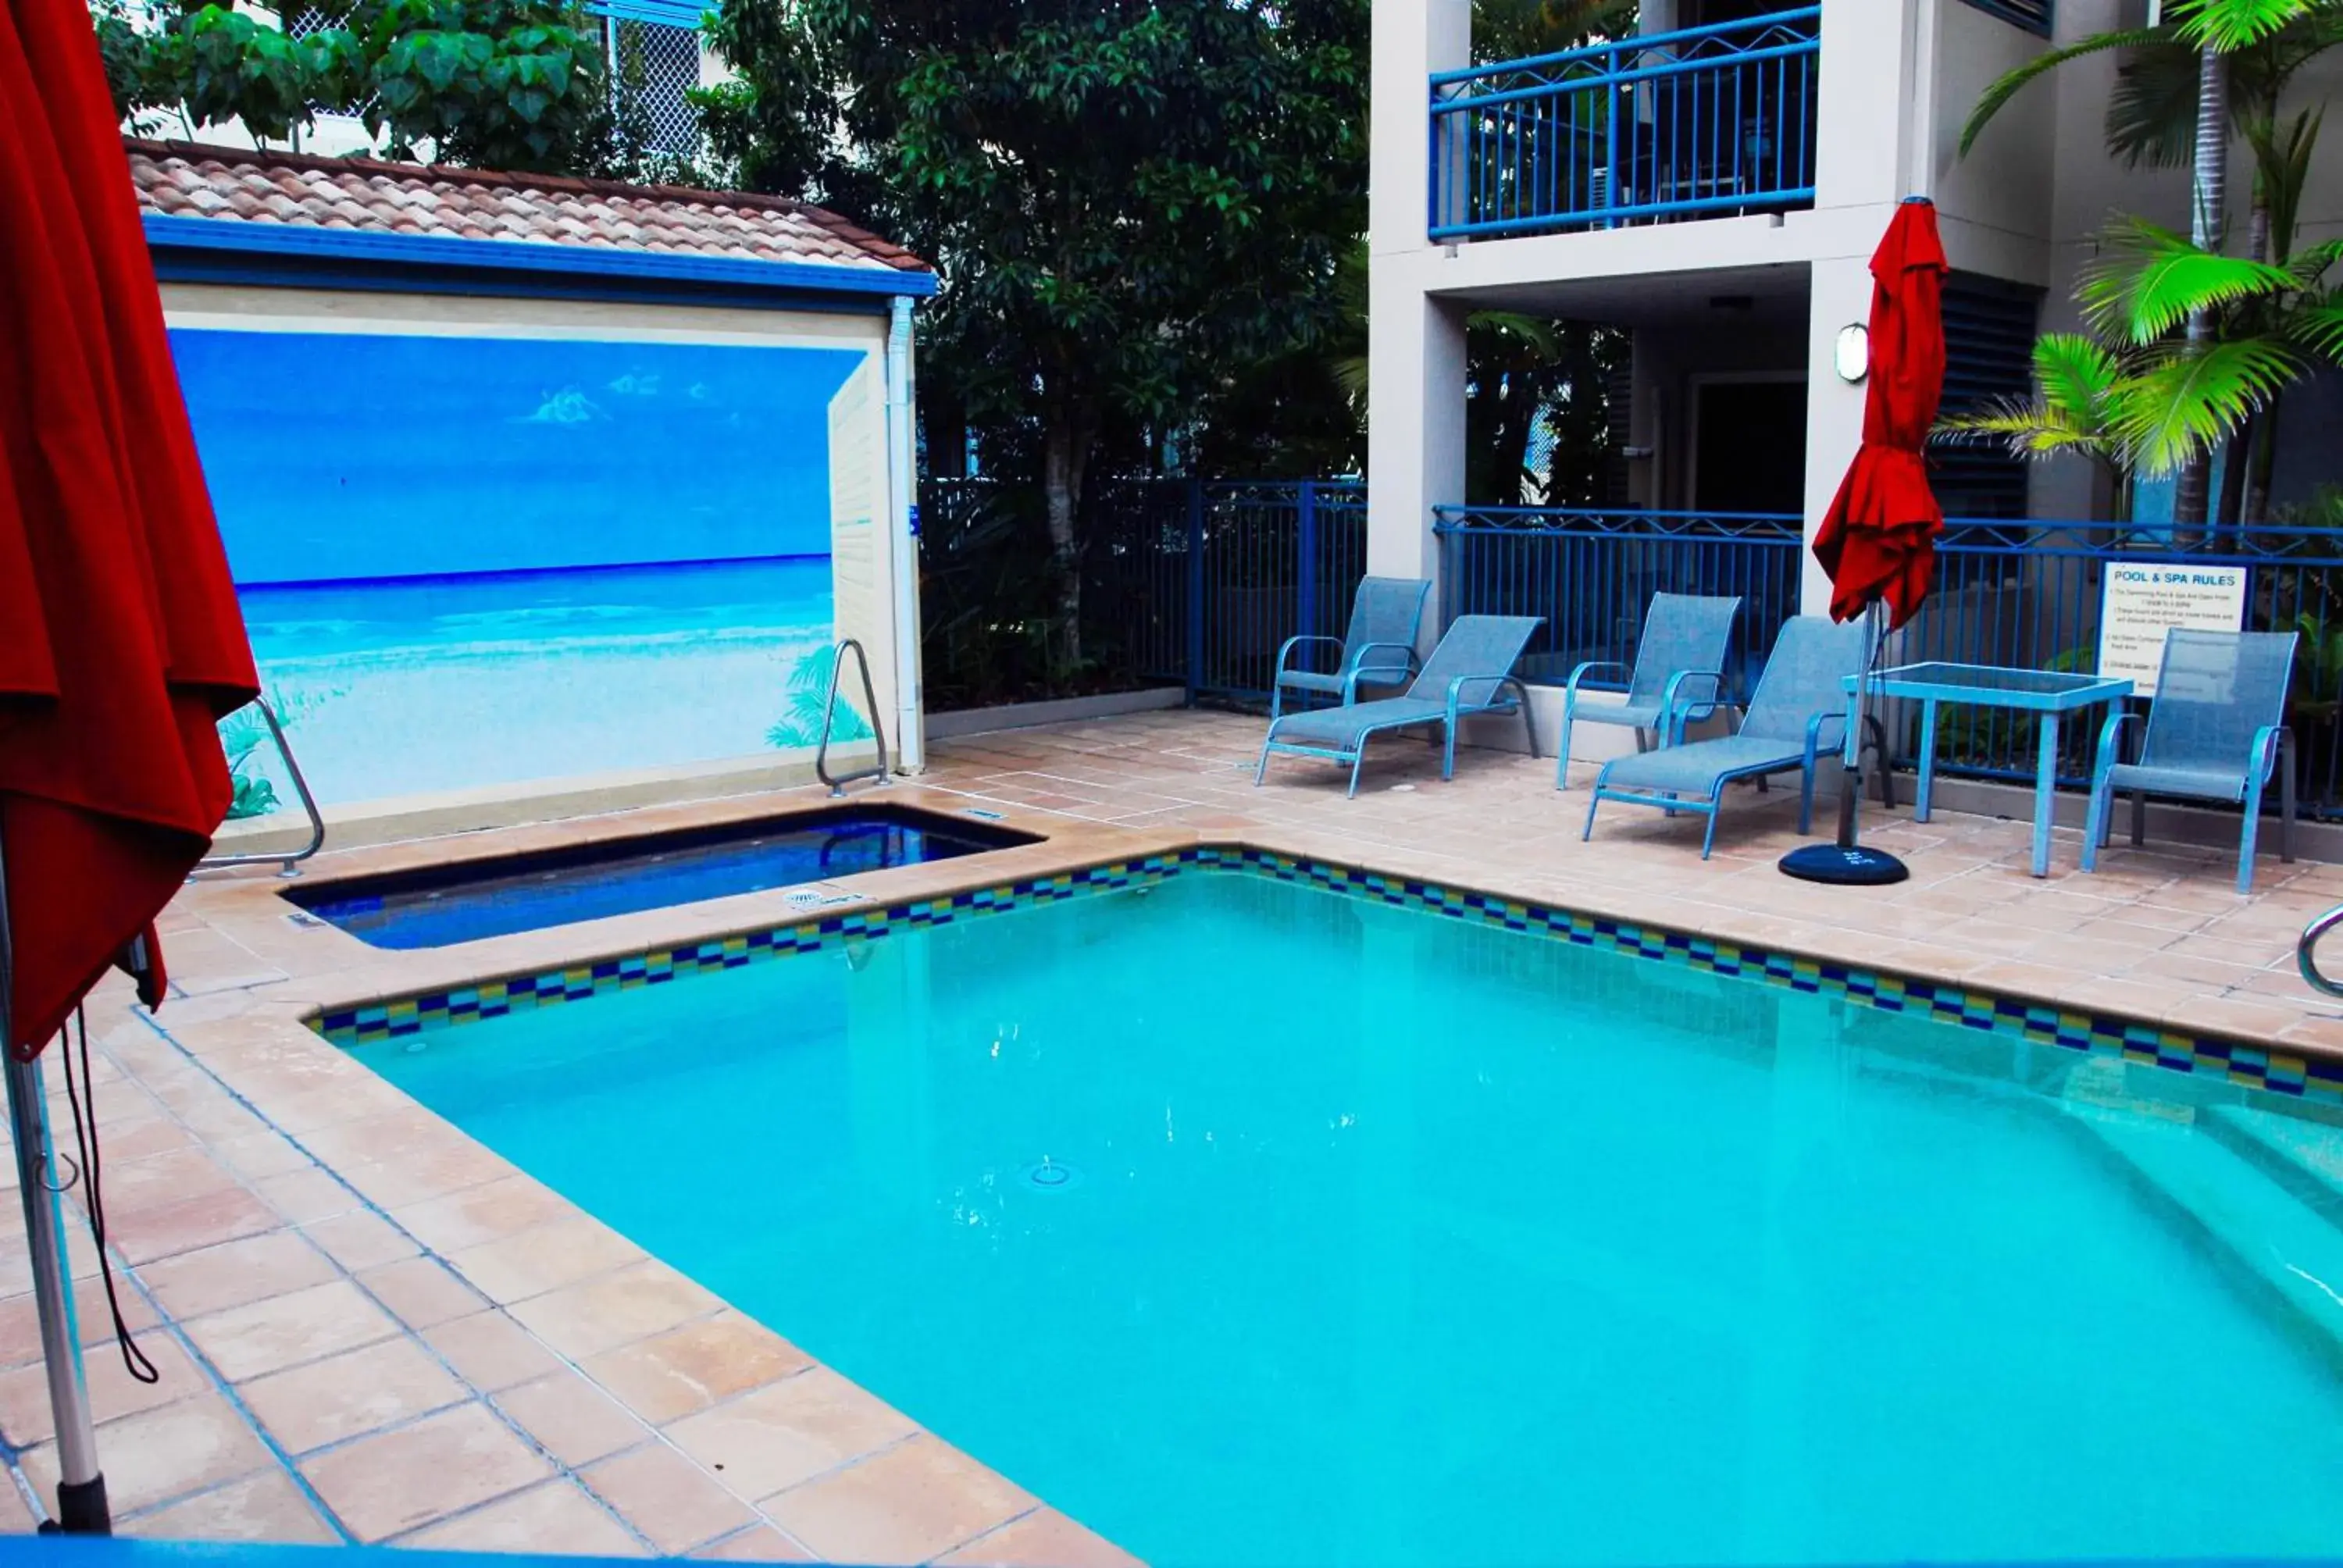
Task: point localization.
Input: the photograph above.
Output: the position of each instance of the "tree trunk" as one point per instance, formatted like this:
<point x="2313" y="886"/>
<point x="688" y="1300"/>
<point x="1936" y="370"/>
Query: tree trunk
<point x="2207" y="210"/>
<point x="1064" y="453"/>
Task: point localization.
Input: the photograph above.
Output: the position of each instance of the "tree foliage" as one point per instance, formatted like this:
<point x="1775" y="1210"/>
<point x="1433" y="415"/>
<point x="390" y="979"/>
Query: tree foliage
<point x="492" y="84"/>
<point x="1133" y="202"/>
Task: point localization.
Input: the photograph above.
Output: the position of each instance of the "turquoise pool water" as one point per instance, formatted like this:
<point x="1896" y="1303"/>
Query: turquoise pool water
<point x="1368" y="1237"/>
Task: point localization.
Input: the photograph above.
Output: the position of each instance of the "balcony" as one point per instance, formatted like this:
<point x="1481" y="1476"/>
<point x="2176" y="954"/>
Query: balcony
<point x="1707" y="122"/>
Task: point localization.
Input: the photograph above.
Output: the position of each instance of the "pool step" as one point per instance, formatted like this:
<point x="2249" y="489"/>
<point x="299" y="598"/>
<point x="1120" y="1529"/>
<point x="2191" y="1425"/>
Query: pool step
<point x="2304" y="1157"/>
<point x="2289" y="1244"/>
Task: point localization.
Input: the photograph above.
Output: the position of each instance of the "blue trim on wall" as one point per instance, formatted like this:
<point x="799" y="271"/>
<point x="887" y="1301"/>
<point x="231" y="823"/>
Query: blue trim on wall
<point x="666" y="12"/>
<point x="402" y="262"/>
<point x="519" y="574"/>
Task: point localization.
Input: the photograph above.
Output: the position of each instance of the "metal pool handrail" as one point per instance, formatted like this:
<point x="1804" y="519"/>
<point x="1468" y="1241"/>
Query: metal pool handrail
<point x="292" y="863"/>
<point x="876" y="769"/>
<point x="2305" y="951"/>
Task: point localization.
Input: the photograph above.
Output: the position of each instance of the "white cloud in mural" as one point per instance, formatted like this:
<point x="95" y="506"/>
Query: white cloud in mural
<point x="567" y="406"/>
<point x="634" y="384"/>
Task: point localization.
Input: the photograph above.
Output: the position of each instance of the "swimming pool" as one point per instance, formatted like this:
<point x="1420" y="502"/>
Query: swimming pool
<point x="462" y="902"/>
<point x="1252" y="1224"/>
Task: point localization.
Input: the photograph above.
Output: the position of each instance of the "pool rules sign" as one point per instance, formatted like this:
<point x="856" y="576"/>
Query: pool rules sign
<point x="2142" y="602"/>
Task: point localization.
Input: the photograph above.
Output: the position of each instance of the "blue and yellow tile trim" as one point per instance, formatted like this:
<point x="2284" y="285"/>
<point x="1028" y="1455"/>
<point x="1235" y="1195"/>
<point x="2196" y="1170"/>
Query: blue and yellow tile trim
<point x="2235" y="1061"/>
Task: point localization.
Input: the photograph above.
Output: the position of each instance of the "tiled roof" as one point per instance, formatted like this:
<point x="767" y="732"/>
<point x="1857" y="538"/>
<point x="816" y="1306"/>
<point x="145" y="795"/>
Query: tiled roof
<point x="233" y="184"/>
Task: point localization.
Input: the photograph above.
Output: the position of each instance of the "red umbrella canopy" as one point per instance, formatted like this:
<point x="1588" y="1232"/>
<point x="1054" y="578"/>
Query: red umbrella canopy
<point x="1879" y="541"/>
<point x="121" y="644"/>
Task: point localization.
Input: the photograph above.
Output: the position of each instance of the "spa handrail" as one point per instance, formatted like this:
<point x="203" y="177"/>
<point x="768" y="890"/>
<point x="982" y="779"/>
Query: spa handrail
<point x="2305" y="951"/>
<point x="291" y="863"/>
<point x="878" y="769"/>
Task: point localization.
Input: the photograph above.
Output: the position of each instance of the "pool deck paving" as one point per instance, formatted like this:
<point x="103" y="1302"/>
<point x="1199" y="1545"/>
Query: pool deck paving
<point x="370" y="1328"/>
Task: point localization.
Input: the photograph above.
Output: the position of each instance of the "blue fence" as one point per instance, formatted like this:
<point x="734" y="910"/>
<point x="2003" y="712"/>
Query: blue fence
<point x="1706" y="121"/>
<point x="1187" y="582"/>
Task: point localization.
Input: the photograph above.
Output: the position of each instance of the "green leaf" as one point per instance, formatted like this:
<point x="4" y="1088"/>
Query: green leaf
<point x="2009" y="85"/>
<point x="2148" y="280"/>
<point x="2184" y="405"/>
<point x="2231" y="25"/>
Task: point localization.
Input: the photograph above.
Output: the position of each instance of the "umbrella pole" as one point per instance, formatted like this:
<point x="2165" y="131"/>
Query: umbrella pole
<point x="81" y="1489"/>
<point x="1845" y="861"/>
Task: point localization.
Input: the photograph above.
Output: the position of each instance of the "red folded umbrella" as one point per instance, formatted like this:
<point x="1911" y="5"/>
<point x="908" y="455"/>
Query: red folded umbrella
<point x="121" y="644"/>
<point x="1878" y="542"/>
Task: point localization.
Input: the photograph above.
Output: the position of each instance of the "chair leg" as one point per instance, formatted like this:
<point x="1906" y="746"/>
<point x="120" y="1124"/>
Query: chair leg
<point x="1276" y="701"/>
<point x="2286" y="802"/>
<point x="1561" y="754"/>
<point x="1448" y="750"/>
<point x="2249" y="833"/>
<point x="1805" y="799"/>
<point x="1358" y="759"/>
<point x="2096" y="826"/>
<point x="1708" y="839"/>
<point x="1529" y="726"/>
<point x="1261" y="771"/>
<point x="1588" y="831"/>
<point x="2138" y="818"/>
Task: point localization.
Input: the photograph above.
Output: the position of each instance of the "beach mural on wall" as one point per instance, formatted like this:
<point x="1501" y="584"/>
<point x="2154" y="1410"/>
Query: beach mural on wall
<point x="474" y="561"/>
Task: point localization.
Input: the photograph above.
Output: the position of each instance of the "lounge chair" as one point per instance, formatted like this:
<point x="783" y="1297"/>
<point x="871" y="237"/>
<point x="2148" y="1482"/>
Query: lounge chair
<point x="2215" y="731"/>
<point x="1797" y="714"/>
<point x="1678" y="676"/>
<point x="1469" y="673"/>
<point x="1378" y="650"/>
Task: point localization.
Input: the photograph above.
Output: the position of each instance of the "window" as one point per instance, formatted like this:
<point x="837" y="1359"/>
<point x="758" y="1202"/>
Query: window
<point x="2033" y="15"/>
<point x="1988" y="355"/>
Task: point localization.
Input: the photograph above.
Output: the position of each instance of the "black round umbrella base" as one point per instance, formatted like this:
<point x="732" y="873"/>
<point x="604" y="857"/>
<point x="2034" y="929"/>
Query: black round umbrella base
<point x="1843" y="867"/>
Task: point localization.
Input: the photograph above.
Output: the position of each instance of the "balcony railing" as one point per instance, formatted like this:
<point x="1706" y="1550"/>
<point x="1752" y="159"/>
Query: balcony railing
<point x="1708" y="122"/>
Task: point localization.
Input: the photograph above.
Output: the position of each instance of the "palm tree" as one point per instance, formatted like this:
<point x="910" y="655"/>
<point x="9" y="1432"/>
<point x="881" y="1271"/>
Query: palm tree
<point x="2243" y="53"/>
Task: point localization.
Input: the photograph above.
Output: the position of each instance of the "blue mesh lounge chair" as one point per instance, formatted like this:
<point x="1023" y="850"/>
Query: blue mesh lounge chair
<point x="1378" y="650"/>
<point x="1472" y="671"/>
<point x="2215" y="731"/>
<point x="1678" y="676"/>
<point x="1797" y="714"/>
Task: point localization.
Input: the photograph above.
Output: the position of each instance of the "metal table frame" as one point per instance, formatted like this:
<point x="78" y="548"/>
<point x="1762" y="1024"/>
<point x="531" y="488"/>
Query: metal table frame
<point x="2051" y="696"/>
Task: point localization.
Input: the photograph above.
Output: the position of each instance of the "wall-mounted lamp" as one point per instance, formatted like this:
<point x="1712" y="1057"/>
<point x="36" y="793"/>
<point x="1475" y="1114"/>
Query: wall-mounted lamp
<point x="1852" y="356"/>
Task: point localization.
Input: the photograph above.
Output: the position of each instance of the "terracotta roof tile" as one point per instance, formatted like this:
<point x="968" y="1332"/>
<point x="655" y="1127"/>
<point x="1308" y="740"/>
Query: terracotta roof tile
<point x="230" y="184"/>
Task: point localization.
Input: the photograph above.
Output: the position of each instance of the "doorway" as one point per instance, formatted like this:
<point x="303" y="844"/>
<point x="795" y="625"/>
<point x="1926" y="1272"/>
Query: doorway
<point x="1749" y="445"/>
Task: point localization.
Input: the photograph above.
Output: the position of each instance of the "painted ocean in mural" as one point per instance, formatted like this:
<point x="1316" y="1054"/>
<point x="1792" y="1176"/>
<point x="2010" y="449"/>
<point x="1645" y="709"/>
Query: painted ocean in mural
<point x="469" y="562"/>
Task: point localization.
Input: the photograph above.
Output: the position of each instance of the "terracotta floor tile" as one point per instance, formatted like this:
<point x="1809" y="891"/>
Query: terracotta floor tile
<point x="789" y="1431"/>
<point x="1044" y="1538"/>
<point x="490" y="1350"/>
<point x="160" y="1454"/>
<point x="421" y="1291"/>
<point x="20" y="1329"/>
<point x="674" y="1503"/>
<point x="573" y="1420"/>
<point x="281" y="1331"/>
<point x="559" y="1518"/>
<point x="414" y="1475"/>
<point x="671" y="1375"/>
<point x="613" y="1309"/>
<point x="24" y="1412"/>
<point x="911" y="1503"/>
<point x="758" y="1544"/>
<point x="168" y="1229"/>
<point x="267" y="1506"/>
<point x="526" y="1263"/>
<point x="350" y="1394"/>
<point x="361" y="1240"/>
<point x="277" y="1263"/>
<point x="488" y="1213"/>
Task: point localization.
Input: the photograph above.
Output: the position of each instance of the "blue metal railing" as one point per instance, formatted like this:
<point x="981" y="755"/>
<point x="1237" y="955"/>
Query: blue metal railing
<point x="1705" y="122"/>
<point x="1592" y="573"/>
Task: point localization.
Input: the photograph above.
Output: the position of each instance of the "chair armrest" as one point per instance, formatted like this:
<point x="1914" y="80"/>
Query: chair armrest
<point x="2109" y="733"/>
<point x="1501" y="679"/>
<point x="1815" y="723"/>
<point x="1381" y="674"/>
<point x="2267" y="740"/>
<point x="1406" y="651"/>
<point x="1285" y="650"/>
<point x="1580" y="673"/>
<point x="1672" y="721"/>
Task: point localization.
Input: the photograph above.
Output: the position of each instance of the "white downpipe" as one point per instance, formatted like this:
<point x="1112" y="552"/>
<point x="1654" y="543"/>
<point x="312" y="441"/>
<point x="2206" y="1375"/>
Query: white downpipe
<point x="910" y="746"/>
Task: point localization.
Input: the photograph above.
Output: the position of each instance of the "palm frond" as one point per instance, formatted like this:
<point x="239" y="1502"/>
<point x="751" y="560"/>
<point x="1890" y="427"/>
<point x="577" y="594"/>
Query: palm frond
<point x="2230" y="25"/>
<point x="2182" y="406"/>
<point x="2028" y="429"/>
<point x="2008" y="87"/>
<point x="2151" y="119"/>
<point x="2310" y="264"/>
<point x="1533" y="333"/>
<point x="2148" y="280"/>
<point x="2319" y="326"/>
<point x="2282" y="173"/>
<point x="2076" y="373"/>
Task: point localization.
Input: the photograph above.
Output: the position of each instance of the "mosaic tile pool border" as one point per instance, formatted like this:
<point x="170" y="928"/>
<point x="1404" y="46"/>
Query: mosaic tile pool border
<point x="2235" y="1061"/>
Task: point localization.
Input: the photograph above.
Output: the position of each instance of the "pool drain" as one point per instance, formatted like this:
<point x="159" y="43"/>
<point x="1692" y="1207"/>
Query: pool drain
<point x="1052" y="1177"/>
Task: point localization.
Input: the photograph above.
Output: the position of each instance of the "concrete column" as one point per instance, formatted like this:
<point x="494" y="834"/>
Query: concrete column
<point x="1415" y="343"/>
<point x="1868" y="59"/>
<point x="1841" y="294"/>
